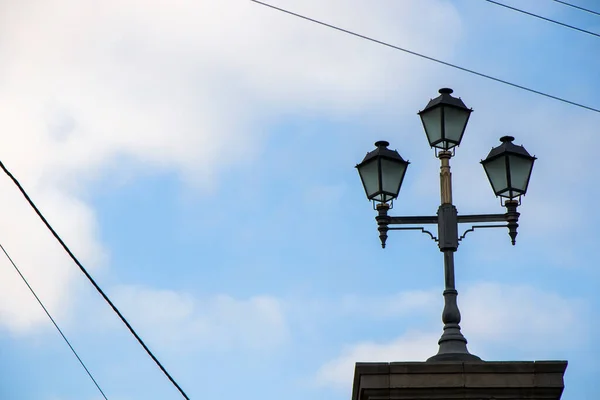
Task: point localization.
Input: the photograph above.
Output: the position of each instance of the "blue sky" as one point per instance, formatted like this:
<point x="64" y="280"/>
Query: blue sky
<point x="198" y="157"/>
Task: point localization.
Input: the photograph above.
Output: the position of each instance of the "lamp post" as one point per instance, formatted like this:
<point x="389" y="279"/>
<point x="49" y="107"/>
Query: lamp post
<point x="508" y="168"/>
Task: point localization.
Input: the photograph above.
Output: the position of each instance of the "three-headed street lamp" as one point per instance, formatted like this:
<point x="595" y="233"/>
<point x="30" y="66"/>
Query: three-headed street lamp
<point x="508" y="168"/>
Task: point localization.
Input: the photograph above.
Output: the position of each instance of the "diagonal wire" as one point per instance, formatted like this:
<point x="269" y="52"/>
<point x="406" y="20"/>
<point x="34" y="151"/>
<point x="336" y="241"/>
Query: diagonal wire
<point x="544" y="18"/>
<point x="53" y="321"/>
<point x="92" y="281"/>
<point x="578" y="7"/>
<point x="370" y="39"/>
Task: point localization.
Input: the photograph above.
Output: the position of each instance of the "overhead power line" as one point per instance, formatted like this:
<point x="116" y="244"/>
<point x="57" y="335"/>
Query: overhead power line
<point x="561" y="99"/>
<point x="544" y="18"/>
<point x="92" y="281"/>
<point x="578" y="7"/>
<point x="53" y="321"/>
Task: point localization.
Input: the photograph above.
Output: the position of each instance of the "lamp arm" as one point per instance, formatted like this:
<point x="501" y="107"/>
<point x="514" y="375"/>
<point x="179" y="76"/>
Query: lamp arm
<point x="511" y="217"/>
<point x="480" y="218"/>
<point x="384" y="220"/>
<point x="413" y="220"/>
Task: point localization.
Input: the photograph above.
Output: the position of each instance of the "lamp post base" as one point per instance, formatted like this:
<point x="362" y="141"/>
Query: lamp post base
<point x="454" y="380"/>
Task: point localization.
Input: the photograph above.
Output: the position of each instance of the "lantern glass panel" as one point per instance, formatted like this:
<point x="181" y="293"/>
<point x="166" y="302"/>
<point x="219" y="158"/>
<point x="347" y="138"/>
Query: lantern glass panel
<point x="369" y="174"/>
<point x="496" y="171"/>
<point x="392" y="173"/>
<point x="520" y="170"/>
<point x="455" y="121"/>
<point x="432" y="122"/>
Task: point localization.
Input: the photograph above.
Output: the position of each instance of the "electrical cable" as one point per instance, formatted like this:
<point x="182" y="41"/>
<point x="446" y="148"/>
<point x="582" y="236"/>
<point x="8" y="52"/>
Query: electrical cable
<point x="578" y="7"/>
<point x="544" y="18"/>
<point x="53" y="321"/>
<point x="429" y="58"/>
<point x="92" y="281"/>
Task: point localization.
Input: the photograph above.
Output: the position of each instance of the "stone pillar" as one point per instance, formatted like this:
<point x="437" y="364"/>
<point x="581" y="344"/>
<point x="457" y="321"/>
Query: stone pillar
<point x="452" y="380"/>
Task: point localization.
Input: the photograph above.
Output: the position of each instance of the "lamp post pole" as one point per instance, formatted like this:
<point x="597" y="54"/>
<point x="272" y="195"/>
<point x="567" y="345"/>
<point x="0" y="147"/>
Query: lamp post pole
<point x="452" y="342"/>
<point x="508" y="168"/>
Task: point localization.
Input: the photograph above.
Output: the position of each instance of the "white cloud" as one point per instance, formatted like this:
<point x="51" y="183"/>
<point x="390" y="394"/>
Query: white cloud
<point x="522" y="317"/>
<point x="167" y="84"/>
<point x="413" y="346"/>
<point x="39" y="257"/>
<point x="401" y="304"/>
<point x="493" y="316"/>
<point x="181" y="322"/>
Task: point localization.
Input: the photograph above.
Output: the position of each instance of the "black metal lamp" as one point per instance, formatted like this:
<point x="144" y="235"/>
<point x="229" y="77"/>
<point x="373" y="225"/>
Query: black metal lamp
<point x="508" y="167"/>
<point x="382" y="172"/>
<point x="445" y="119"/>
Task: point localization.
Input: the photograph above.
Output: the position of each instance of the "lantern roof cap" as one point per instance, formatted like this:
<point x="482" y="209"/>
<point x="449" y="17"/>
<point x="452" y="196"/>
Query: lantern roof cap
<point x="508" y="146"/>
<point x="382" y="151"/>
<point x="445" y="98"/>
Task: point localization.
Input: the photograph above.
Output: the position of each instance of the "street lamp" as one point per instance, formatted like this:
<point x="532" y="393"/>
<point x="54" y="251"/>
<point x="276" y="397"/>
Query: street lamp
<point x="508" y="168"/>
<point x="445" y="119"/>
<point x="382" y="172"/>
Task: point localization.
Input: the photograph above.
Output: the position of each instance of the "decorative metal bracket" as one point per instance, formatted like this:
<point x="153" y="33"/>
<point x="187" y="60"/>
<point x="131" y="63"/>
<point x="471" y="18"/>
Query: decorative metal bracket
<point x="415" y="228"/>
<point x="472" y="229"/>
